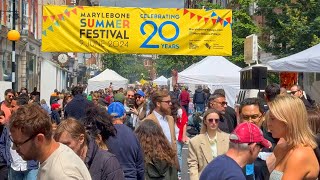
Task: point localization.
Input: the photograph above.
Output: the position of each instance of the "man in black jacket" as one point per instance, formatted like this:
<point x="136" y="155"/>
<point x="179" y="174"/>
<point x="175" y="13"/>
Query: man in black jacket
<point x="297" y="91"/>
<point x="76" y="108"/>
<point x="199" y="99"/>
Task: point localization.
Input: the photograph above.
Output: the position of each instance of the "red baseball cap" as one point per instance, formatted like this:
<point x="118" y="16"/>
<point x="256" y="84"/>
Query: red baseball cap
<point x="249" y="133"/>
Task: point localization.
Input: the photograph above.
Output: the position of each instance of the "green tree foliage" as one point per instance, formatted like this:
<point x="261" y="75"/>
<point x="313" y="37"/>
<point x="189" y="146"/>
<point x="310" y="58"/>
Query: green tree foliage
<point x="242" y="27"/>
<point x="292" y="26"/>
<point x="127" y="65"/>
<point x="165" y="63"/>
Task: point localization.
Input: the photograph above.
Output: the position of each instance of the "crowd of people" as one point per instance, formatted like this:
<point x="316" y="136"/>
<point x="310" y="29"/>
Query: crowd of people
<point x="139" y="133"/>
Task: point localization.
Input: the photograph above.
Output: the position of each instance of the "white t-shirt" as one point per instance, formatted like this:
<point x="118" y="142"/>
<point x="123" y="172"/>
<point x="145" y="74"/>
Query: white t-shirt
<point x="64" y="164"/>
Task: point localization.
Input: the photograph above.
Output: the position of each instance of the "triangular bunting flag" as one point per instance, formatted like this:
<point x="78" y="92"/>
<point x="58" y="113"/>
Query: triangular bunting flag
<point x="67" y="13"/>
<point x="206" y="20"/>
<point x="60" y="16"/>
<point x="74" y="11"/>
<point x="228" y="19"/>
<point x="66" y="10"/>
<point x="214" y="21"/>
<point x="192" y="15"/>
<point x="199" y="18"/>
<point x="225" y="23"/>
<point x="52" y="17"/>
<point x="50" y="28"/>
<point x="57" y="23"/>
<point x="44" y="18"/>
<point x="221" y="21"/>
<point x="44" y="33"/>
<point x="213" y="14"/>
<point x="80" y="7"/>
<point x="185" y="11"/>
<point x="218" y="19"/>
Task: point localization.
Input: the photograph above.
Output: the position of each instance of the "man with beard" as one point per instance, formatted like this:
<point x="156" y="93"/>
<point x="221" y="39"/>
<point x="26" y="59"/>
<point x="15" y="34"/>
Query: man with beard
<point x="31" y="135"/>
<point x="139" y="111"/>
<point x="162" y="116"/>
<point x="129" y="103"/>
<point x="7" y="105"/>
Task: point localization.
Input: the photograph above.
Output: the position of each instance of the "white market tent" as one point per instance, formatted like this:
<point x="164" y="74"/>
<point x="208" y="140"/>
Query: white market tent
<point x="307" y="61"/>
<point x="102" y="80"/>
<point x="161" y="81"/>
<point x="304" y="61"/>
<point x="215" y="72"/>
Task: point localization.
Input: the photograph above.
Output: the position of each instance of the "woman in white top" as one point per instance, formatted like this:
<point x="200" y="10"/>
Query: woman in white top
<point x="295" y="157"/>
<point x="210" y="143"/>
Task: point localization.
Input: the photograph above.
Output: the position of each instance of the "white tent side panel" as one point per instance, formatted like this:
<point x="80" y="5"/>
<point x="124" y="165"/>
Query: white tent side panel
<point x="103" y="80"/>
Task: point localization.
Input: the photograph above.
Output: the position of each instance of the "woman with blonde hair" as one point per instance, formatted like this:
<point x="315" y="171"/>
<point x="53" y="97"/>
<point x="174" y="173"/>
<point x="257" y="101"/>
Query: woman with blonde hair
<point x="288" y="120"/>
<point x="101" y="163"/>
<point x="210" y="143"/>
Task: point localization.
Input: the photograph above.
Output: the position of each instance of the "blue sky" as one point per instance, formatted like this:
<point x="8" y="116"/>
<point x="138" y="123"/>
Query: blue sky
<point x="144" y="3"/>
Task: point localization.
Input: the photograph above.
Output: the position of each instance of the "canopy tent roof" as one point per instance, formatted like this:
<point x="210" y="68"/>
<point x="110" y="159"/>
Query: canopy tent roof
<point x="304" y="61"/>
<point x="214" y="70"/>
<point x="104" y="79"/>
<point x="161" y="81"/>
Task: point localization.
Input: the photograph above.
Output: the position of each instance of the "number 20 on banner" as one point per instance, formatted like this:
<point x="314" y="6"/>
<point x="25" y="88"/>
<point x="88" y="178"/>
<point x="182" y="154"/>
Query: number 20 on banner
<point x="158" y="30"/>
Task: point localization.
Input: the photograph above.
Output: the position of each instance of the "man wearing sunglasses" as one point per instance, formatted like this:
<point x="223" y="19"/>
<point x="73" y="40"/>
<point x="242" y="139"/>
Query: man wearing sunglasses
<point x="140" y="108"/>
<point x="218" y="102"/>
<point x="297" y="91"/>
<point x="162" y="116"/>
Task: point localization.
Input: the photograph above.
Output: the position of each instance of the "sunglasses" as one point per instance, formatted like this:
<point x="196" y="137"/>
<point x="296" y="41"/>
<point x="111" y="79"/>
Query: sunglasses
<point x="137" y="97"/>
<point x="215" y="120"/>
<point x="168" y="102"/>
<point x="293" y="92"/>
<point x="248" y="117"/>
<point x="221" y="103"/>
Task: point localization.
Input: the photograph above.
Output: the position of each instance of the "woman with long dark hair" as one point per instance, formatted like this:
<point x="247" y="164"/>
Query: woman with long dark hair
<point x="159" y="157"/>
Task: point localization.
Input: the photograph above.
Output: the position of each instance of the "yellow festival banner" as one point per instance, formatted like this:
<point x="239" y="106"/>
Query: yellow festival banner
<point x="137" y="30"/>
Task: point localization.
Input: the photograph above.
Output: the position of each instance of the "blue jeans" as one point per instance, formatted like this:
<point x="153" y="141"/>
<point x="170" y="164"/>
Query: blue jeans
<point x="23" y="175"/>
<point x="200" y="107"/>
<point x="179" y="154"/>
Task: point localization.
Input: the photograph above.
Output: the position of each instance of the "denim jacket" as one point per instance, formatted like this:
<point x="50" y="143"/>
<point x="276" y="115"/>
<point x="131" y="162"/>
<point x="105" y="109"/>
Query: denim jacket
<point x="5" y="145"/>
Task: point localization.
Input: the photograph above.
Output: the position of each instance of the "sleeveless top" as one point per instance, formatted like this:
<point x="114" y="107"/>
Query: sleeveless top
<point x="276" y="175"/>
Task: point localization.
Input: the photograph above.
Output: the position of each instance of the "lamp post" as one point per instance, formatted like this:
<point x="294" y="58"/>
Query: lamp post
<point x="13" y="35"/>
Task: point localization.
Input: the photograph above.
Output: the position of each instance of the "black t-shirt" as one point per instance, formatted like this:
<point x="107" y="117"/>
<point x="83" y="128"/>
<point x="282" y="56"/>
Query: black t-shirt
<point x="222" y="167"/>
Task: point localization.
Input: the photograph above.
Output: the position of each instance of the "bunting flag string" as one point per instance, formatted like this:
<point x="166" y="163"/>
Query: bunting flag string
<point x="44" y="18"/>
<point x="199" y="18"/>
<point x="192" y="15"/>
<point x="60" y="17"/>
<point x="223" y="21"/>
